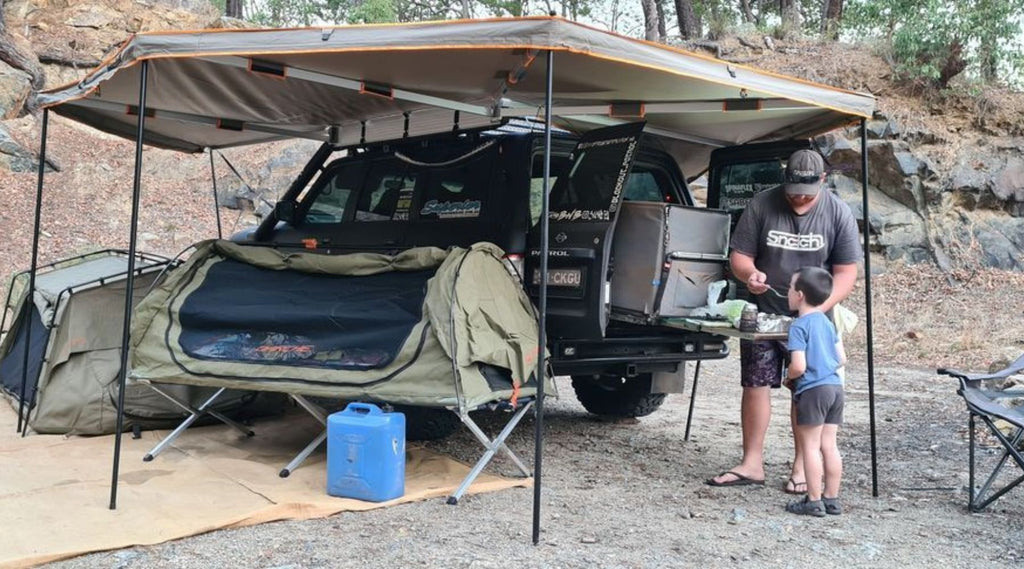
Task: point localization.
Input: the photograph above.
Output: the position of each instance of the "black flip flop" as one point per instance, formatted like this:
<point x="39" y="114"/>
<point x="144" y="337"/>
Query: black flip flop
<point x="739" y="481"/>
<point x="795" y="484"/>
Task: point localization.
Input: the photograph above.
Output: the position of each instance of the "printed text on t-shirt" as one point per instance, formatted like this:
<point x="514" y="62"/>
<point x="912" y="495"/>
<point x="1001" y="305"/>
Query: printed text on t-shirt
<point x="793" y="242"/>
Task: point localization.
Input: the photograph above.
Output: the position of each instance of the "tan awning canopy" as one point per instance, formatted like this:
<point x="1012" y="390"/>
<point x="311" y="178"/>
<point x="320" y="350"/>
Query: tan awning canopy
<point x="220" y="88"/>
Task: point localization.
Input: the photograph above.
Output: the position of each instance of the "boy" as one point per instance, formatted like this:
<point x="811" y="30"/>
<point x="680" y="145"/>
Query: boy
<point x="816" y="354"/>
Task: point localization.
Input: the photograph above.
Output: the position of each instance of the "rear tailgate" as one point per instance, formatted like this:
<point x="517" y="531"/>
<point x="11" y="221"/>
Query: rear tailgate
<point x="583" y="209"/>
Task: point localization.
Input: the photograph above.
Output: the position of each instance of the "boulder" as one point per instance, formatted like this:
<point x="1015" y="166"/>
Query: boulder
<point x="15" y="86"/>
<point x="880" y="129"/>
<point x="892" y="168"/>
<point x="1008" y="185"/>
<point x="898" y="231"/>
<point x="982" y="238"/>
<point x="841" y="153"/>
<point x="95" y="17"/>
<point x="990" y="176"/>
<point x="15" y="157"/>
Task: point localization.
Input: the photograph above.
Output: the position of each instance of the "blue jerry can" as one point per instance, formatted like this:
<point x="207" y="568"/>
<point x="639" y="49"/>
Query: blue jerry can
<point x="366" y="453"/>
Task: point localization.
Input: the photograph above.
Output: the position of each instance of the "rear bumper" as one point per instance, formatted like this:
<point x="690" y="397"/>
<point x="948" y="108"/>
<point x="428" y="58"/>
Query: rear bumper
<point x="659" y="350"/>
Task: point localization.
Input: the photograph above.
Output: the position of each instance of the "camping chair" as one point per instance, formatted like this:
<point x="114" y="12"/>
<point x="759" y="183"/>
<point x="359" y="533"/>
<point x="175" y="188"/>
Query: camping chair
<point x="984" y="404"/>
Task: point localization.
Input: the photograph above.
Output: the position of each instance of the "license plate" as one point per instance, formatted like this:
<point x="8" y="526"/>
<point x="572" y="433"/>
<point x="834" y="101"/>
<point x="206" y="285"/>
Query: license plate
<point x="568" y="278"/>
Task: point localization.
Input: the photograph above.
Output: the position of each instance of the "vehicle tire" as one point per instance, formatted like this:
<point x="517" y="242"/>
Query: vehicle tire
<point x="428" y="423"/>
<point x="614" y="396"/>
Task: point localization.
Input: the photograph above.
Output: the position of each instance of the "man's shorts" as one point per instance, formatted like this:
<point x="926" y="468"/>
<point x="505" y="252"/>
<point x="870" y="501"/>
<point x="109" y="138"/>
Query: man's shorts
<point x="762" y="363"/>
<point x="820" y="406"/>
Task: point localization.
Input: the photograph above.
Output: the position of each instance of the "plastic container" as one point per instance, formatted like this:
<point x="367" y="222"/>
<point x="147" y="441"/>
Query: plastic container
<point x="366" y="453"/>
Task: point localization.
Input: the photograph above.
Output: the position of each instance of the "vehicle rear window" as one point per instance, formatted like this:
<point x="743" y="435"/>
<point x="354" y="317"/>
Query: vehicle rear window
<point x="333" y="198"/>
<point x="740" y="182"/>
<point x="426" y="184"/>
<point x="559" y="164"/>
<point x="457" y="191"/>
<point x="644" y="183"/>
<point x="647" y="185"/>
<point x="387" y="192"/>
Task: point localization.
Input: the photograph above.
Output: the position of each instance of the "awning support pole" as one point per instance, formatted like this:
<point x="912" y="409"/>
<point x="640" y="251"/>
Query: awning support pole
<point x="538" y="435"/>
<point x="130" y="283"/>
<point x="867" y="304"/>
<point x="23" y="427"/>
<point x="216" y="200"/>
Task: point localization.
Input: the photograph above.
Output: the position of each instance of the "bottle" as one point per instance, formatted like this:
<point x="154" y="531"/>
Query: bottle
<point x="748" y="318"/>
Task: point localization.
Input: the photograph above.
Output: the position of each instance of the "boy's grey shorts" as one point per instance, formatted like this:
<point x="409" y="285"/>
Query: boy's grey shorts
<point x="820" y="405"/>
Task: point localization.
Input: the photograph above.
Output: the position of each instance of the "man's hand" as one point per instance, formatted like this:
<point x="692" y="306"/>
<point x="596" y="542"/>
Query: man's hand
<point x="757" y="283"/>
<point x="743" y="264"/>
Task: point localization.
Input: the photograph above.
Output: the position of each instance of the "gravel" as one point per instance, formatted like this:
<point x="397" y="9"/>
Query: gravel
<point x="630" y="493"/>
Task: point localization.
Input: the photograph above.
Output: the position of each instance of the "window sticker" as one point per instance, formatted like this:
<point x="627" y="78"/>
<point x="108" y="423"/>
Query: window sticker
<point x="404" y="205"/>
<point x="580" y="215"/>
<point x="453" y="209"/>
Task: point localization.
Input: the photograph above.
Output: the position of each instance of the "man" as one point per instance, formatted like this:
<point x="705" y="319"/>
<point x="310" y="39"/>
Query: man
<point x="782" y="230"/>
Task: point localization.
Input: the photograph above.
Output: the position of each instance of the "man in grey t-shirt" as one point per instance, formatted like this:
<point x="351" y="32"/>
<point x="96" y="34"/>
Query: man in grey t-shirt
<point x="782" y="230"/>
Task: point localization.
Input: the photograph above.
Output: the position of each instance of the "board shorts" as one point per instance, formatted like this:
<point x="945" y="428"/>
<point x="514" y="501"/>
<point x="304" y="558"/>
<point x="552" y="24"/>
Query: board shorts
<point x="762" y="363"/>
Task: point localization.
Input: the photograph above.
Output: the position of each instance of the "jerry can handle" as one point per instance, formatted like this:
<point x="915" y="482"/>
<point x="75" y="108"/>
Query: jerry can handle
<point x="363" y="408"/>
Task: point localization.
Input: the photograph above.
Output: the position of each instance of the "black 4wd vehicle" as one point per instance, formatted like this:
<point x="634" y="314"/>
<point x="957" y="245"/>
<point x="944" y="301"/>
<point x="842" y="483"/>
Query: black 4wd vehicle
<point x="455" y="189"/>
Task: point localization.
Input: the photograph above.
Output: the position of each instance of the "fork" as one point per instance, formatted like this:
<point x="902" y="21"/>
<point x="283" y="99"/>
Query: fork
<point x="777" y="293"/>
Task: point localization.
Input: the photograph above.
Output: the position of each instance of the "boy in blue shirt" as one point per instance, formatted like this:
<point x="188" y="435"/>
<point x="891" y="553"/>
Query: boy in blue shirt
<point x="816" y="354"/>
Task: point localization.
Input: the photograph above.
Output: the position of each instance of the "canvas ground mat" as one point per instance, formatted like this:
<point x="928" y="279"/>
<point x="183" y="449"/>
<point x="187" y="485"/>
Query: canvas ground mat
<point x="55" y="490"/>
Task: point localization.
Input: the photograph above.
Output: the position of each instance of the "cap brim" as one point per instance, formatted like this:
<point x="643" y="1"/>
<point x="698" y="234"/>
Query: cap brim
<point x="802" y="189"/>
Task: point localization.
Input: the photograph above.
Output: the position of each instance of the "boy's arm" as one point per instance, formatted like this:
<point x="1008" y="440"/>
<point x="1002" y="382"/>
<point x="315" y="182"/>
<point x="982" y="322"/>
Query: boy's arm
<point x="797" y="367"/>
<point x="841" y="352"/>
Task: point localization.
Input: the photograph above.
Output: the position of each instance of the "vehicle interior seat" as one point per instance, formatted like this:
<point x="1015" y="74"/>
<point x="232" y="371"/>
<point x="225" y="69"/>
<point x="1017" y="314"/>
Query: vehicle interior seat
<point x="389" y="199"/>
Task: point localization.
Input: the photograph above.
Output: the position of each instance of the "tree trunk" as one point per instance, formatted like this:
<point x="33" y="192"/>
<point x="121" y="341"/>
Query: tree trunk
<point x="790" y="16"/>
<point x="20" y="57"/>
<point x="747" y="13"/>
<point x="953" y="65"/>
<point x="689" y="27"/>
<point x="662" y="28"/>
<point x="831" y="19"/>
<point x="650" y="19"/>
<point x="233" y="9"/>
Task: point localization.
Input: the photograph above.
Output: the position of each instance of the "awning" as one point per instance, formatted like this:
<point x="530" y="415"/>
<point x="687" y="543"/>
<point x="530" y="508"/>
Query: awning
<point x="378" y="82"/>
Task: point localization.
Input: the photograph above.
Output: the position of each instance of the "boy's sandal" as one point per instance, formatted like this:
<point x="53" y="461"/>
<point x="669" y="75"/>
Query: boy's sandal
<point x="832" y="506"/>
<point x="806" y="507"/>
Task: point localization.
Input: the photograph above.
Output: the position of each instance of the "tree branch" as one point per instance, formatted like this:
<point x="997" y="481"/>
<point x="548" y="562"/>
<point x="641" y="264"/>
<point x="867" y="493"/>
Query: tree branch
<point x="69" y="61"/>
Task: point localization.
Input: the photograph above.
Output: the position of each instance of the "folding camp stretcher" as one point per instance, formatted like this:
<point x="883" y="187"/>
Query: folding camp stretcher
<point x="491" y="445"/>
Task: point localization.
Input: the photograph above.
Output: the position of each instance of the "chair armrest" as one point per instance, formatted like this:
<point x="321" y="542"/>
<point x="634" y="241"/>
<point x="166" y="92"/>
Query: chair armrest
<point x="1007" y="394"/>
<point x="1014" y="368"/>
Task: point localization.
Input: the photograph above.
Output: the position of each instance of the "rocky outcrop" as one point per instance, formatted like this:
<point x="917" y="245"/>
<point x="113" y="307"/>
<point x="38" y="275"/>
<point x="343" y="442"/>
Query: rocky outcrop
<point x="956" y="203"/>
<point x="68" y="38"/>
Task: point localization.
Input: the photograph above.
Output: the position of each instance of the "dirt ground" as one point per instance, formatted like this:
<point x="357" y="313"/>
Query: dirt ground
<point x="631" y="494"/>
